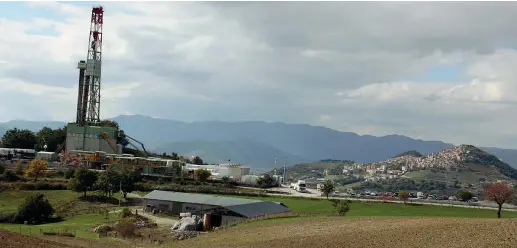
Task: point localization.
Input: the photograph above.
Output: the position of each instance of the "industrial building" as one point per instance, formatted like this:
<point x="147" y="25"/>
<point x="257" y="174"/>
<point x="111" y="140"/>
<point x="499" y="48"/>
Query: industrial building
<point x="222" y="210"/>
<point x="219" y="171"/>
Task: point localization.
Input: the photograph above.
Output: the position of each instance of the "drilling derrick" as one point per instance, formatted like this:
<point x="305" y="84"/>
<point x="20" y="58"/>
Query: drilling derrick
<point x="89" y="97"/>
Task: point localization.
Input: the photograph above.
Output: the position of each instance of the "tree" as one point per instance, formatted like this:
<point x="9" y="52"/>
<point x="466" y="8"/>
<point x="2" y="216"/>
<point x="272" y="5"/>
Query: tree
<point x="464" y="195"/>
<point x="36" y="168"/>
<point x="110" y="123"/>
<point x="52" y="138"/>
<point x="340" y="206"/>
<point x="265" y="180"/>
<point x="499" y="193"/>
<point x="18" y="170"/>
<point x="108" y="182"/>
<point x="36" y="208"/>
<point x="175" y="156"/>
<point x="327" y="188"/>
<point x="19" y="138"/>
<point x="403" y="195"/>
<point x="202" y="174"/>
<point x="83" y="180"/>
<point x="225" y="180"/>
<point x="197" y="160"/>
<point x="2" y="169"/>
<point x="128" y="179"/>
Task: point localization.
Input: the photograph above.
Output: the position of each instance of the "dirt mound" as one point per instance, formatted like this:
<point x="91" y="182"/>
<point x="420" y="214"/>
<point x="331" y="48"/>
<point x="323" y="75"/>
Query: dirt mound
<point x="365" y="232"/>
<point x="14" y="240"/>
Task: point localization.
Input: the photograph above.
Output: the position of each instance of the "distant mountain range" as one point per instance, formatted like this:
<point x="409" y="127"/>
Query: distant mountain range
<point x="258" y="143"/>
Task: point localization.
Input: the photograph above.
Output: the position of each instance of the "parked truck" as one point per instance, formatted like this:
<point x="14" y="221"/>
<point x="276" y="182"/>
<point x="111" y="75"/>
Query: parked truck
<point x="299" y="186"/>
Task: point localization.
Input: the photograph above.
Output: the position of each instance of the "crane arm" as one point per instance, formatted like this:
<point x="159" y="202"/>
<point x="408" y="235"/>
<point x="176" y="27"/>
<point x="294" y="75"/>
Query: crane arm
<point x="143" y="147"/>
<point x="107" y="139"/>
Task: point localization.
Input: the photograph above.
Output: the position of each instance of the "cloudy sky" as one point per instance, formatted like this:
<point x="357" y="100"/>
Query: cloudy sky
<point x="438" y="71"/>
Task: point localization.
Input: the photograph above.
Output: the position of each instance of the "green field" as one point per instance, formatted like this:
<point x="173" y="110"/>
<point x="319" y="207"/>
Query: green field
<point x="77" y="225"/>
<point x="364" y="209"/>
<point x="10" y="200"/>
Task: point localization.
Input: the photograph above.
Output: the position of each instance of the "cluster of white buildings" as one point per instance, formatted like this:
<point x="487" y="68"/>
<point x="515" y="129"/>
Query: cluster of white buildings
<point x="397" y="167"/>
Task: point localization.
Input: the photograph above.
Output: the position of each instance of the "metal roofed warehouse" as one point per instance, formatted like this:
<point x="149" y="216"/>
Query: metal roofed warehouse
<point x="225" y="210"/>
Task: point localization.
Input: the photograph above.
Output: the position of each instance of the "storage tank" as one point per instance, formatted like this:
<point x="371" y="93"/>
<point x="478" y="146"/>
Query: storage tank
<point x="119" y="149"/>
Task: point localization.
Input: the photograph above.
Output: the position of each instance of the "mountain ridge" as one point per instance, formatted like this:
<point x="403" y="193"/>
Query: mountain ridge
<point x="301" y="142"/>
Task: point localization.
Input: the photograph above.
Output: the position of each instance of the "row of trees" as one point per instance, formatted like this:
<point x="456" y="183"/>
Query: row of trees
<point x="107" y="183"/>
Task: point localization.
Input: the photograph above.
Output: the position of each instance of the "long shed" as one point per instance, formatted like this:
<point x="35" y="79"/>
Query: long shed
<point x="230" y="209"/>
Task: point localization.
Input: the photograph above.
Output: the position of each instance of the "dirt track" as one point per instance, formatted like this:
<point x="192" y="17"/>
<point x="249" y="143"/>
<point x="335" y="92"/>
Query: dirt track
<point x="378" y="232"/>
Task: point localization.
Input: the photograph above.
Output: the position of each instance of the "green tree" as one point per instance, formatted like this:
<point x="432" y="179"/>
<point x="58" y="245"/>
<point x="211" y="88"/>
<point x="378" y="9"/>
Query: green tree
<point x="83" y="180"/>
<point x="464" y="195"/>
<point x="108" y="182"/>
<point x="225" y="179"/>
<point x="202" y="174"/>
<point x="53" y="138"/>
<point x="175" y="156"/>
<point x="19" y="138"/>
<point x="340" y="206"/>
<point x="36" y="208"/>
<point x="265" y="180"/>
<point x="197" y="160"/>
<point x="10" y="176"/>
<point x="110" y="123"/>
<point x="2" y="169"/>
<point x="327" y="187"/>
<point x="128" y="179"/>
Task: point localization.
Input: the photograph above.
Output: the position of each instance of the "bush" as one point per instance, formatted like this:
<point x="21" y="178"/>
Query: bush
<point x="35" y="209"/>
<point x="125" y="229"/>
<point x="38" y="186"/>
<point x="9" y="176"/>
<point x="125" y="213"/>
<point x="2" y="169"/>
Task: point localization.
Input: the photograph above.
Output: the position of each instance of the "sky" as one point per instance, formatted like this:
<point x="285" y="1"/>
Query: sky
<point x="429" y="70"/>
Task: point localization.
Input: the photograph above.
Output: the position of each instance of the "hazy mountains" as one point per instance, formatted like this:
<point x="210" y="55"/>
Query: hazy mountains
<point x="257" y="143"/>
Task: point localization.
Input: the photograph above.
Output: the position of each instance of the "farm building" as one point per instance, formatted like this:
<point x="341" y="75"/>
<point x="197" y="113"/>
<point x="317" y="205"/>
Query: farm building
<point x="223" y="210"/>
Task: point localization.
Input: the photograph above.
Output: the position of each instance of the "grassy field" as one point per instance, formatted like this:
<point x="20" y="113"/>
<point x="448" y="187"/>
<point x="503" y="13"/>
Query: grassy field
<point x="10" y="200"/>
<point x="78" y="225"/>
<point x="360" y="209"/>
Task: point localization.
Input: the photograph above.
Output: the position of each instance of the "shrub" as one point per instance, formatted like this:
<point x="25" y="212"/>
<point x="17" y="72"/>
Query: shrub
<point x="125" y="213"/>
<point x="9" y="176"/>
<point x="125" y="229"/>
<point x="35" y="209"/>
<point x="2" y="169"/>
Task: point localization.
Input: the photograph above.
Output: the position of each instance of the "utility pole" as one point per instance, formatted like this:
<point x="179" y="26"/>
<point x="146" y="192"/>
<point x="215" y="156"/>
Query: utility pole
<point x="285" y="171"/>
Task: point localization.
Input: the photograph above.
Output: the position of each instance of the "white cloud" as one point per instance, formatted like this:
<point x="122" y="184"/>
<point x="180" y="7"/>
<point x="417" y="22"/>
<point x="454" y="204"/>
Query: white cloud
<point x="350" y="66"/>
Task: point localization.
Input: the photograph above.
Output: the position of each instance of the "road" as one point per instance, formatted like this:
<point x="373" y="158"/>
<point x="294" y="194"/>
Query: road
<point x="137" y="201"/>
<point x="316" y="194"/>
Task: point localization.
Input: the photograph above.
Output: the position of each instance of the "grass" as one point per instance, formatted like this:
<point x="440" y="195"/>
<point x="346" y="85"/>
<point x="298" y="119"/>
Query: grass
<point x="364" y="209"/>
<point x="10" y="200"/>
<point x="78" y="225"/>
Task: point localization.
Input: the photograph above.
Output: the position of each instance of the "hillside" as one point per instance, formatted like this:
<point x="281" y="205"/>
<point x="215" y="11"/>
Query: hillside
<point x="462" y="165"/>
<point x="257" y="143"/>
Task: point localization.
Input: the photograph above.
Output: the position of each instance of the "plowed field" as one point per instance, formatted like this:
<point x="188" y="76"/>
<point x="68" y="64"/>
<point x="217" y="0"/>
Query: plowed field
<point x="366" y="232"/>
<point x="14" y="240"/>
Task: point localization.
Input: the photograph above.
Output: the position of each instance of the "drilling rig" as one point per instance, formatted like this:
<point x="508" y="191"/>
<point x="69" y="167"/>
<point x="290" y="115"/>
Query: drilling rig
<point x="87" y="137"/>
<point x="87" y="134"/>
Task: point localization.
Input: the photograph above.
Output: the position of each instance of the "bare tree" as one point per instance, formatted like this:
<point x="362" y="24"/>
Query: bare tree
<point x="499" y="193"/>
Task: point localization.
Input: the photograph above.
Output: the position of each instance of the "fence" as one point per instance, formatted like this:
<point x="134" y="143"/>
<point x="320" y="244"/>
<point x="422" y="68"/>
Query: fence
<point x="38" y="231"/>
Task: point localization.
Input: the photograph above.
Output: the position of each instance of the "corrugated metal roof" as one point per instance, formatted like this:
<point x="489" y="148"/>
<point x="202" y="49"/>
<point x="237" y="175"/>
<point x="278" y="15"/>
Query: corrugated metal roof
<point x="245" y="207"/>
<point x="197" y="198"/>
<point x="259" y="209"/>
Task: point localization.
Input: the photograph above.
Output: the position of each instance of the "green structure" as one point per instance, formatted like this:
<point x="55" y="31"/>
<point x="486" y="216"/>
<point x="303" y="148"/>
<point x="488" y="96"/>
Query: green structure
<point x="91" y="138"/>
